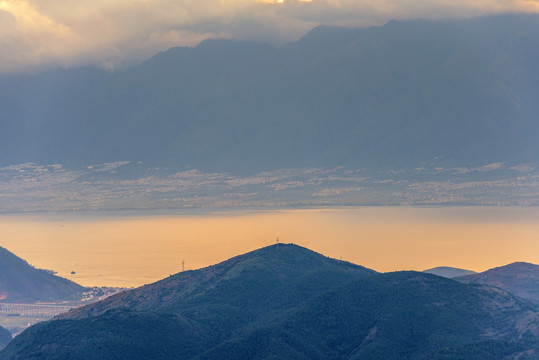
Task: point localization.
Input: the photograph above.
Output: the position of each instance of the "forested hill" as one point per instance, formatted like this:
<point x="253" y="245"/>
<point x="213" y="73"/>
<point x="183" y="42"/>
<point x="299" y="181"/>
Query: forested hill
<point x="20" y="282"/>
<point x="406" y="94"/>
<point x="287" y="302"/>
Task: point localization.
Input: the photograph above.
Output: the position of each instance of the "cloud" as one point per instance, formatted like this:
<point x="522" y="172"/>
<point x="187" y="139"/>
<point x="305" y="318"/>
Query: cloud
<point x="523" y="168"/>
<point x="110" y="33"/>
<point x="108" y="166"/>
<point x="335" y="191"/>
<point x="490" y="167"/>
<point x="287" y="185"/>
<point x="30" y="38"/>
<point x="256" y="180"/>
<point x="7" y="20"/>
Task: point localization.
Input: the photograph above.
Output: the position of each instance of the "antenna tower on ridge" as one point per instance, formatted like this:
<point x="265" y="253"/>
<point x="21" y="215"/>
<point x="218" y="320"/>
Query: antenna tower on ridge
<point x="183" y="265"/>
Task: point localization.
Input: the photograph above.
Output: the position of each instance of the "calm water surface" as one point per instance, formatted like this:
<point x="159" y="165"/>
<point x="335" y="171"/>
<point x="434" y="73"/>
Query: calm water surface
<point x="126" y="249"/>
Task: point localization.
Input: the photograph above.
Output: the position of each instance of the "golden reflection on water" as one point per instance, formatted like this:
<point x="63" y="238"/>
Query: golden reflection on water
<point x="122" y="250"/>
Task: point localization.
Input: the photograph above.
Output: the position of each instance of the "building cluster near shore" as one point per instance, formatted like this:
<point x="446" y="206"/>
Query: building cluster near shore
<point x="33" y="310"/>
<point x="52" y="309"/>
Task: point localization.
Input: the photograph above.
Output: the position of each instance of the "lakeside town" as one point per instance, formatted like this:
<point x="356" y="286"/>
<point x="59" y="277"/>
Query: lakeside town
<point x="18" y="316"/>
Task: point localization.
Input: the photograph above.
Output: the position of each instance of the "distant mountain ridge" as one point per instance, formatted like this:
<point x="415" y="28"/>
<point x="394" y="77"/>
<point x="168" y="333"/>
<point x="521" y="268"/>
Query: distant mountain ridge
<point x="284" y="301"/>
<point x="519" y="278"/>
<point x="20" y="282"/>
<point x="448" y="271"/>
<point x="406" y="94"/>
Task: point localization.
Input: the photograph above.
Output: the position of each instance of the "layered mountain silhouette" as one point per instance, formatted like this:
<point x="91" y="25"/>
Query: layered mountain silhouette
<point x="287" y="302"/>
<point x="21" y="282"/>
<point x="449" y="92"/>
<point x="448" y="271"/>
<point x="519" y="278"/>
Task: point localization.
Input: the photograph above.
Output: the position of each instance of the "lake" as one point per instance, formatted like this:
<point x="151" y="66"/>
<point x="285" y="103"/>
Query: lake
<point x="131" y="249"/>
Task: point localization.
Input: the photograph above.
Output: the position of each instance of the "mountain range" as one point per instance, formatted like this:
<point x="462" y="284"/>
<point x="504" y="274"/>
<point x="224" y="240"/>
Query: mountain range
<point x="406" y="94"/>
<point x="285" y="301"/>
<point x="448" y="271"/>
<point x="519" y="278"/>
<point x="21" y="282"/>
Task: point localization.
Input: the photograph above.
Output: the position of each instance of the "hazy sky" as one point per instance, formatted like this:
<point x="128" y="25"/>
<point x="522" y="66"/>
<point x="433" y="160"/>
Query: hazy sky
<point x="111" y="33"/>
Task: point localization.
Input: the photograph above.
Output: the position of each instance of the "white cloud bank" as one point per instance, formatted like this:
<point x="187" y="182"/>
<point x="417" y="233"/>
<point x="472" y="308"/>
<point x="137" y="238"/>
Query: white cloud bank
<point x="40" y="33"/>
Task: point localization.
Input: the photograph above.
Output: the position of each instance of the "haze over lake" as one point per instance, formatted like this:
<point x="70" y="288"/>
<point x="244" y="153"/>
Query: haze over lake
<point x="131" y="249"/>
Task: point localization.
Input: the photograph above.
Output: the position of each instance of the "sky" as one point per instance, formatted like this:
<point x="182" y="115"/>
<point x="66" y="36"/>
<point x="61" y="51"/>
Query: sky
<point x="39" y="34"/>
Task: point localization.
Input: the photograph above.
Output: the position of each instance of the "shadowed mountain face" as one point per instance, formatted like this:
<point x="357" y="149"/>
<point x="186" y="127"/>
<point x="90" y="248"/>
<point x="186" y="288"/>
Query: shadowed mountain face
<point x="448" y="272"/>
<point x="20" y="282"/>
<point x="285" y="301"/>
<point x="268" y="279"/>
<point x="519" y="278"/>
<point x="5" y="337"/>
<point x="454" y="92"/>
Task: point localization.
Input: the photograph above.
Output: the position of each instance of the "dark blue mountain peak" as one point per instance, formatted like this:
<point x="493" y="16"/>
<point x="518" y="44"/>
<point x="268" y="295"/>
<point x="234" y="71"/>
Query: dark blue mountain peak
<point x="379" y="98"/>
